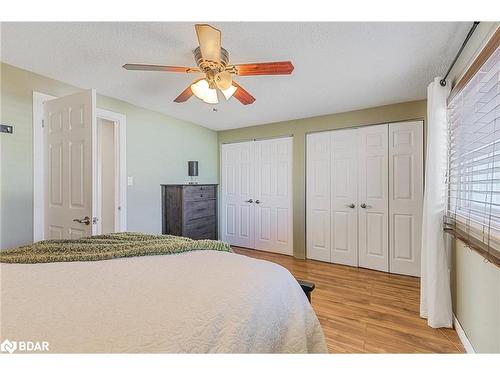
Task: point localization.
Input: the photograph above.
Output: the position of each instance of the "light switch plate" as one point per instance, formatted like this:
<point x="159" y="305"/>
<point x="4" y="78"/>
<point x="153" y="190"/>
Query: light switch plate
<point x="130" y="181"/>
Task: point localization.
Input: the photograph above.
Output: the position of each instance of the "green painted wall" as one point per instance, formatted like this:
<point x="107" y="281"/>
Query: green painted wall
<point x="299" y="129"/>
<point x="476" y="284"/>
<point x="154" y="155"/>
<point x="476" y="302"/>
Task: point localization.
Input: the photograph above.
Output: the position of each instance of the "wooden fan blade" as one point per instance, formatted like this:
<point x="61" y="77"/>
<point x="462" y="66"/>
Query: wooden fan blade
<point x="210" y="42"/>
<point x="243" y="95"/>
<point x="161" y="68"/>
<point x="270" y="68"/>
<point x="185" y="95"/>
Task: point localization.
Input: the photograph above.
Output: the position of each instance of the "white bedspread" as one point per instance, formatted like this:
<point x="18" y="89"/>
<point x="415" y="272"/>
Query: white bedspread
<point x="196" y="302"/>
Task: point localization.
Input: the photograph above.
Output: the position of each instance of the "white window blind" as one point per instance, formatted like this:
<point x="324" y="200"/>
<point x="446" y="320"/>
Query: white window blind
<point x="474" y="161"/>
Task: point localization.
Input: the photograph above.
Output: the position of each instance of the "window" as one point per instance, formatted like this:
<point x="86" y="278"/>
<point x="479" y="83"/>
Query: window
<point x="473" y="212"/>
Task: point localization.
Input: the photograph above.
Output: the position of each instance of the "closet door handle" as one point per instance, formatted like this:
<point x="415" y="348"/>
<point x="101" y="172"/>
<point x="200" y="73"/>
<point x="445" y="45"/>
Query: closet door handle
<point x="352" y="205"/>
<point x="249" y="201"/>
<point x="85" y="220"/>
<point x="257" y="201"/>
<point x="363" y="205"/>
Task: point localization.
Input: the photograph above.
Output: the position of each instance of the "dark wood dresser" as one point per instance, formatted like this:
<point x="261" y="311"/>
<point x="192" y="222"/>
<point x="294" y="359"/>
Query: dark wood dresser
<point x="190" y="211"/>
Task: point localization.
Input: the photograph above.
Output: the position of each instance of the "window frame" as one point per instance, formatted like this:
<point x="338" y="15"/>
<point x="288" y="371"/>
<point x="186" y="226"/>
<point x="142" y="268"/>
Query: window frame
<point x="464" y="224"/>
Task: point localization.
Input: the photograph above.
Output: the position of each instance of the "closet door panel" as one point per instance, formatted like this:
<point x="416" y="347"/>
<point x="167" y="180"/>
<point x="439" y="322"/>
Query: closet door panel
<point x="344" y="197"/>
<point x="318" y="190"/>
<point x="237" y="215"/>
<point x="405" y="196"/>
<point x="373" y="197"/>
<point x="273" y="195"/>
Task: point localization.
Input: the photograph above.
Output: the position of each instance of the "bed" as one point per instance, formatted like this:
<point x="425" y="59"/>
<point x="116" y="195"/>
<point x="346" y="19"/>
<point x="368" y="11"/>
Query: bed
<point x="201" y="301"/>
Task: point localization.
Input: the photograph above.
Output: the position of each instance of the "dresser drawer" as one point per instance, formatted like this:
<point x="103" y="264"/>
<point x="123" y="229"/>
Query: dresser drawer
<point x="199" y="192"/>
<point x="203" y="228"/>
<point x="202" y="224"/>
<point x="198" y="209"/>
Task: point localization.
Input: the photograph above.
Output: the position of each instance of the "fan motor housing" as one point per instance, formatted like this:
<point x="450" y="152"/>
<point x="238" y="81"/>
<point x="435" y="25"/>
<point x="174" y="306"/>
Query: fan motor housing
<point x="213" y="67"/>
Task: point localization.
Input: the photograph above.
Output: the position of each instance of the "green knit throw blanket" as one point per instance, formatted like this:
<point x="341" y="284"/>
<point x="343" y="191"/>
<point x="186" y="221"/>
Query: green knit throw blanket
<point x="107" y="246"/>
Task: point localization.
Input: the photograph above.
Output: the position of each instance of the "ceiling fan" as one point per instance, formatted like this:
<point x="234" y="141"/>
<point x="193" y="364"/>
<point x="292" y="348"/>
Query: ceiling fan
<point x="213" y="62"/>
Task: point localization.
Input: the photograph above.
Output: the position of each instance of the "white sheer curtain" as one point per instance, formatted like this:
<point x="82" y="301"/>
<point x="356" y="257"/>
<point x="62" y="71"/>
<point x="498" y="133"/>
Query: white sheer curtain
<point x="435" y="293"/>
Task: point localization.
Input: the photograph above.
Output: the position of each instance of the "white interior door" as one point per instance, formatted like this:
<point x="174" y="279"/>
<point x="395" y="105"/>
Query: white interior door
<point x="344" y="196"/>
<point x="405" y="196"/>
<point x="273" y="195"/>
<point x="373" y="197"/>
<point x="318" y="190"/>
<point x="70" y="124"/>
<point x="237" y="190"/>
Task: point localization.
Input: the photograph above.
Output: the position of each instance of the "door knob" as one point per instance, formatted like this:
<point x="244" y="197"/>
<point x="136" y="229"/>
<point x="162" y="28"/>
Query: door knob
<point x="85" y="220"/>
<point x="363" y="205"/>
<point x="249" y="201"/>
<point x="257" y="201"/>
<point x="352" y="205"/>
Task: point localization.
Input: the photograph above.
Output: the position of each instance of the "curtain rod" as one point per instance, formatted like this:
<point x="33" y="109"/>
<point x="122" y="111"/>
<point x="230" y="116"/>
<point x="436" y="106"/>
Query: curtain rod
<point x="471" y="31"/>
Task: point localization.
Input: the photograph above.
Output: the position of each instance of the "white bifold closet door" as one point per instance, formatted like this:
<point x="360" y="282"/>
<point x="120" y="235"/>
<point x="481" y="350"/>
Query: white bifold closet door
<point x="318" y="191"/>
<point x="256" y="188"/>
<point x="364" y="196"/>
<point x="406" y="190"/>
<point x="237" y="214"/>
<point x="373" y="194"/>
<point x="344" y="236"/>
<point x="331" y="215"/>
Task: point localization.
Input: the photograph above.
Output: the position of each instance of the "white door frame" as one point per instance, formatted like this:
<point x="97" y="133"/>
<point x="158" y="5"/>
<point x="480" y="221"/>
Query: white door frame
<point x="38" y="166"/>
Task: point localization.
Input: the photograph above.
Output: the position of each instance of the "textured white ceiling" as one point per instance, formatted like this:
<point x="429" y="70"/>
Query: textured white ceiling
<point x="338" y="66"/>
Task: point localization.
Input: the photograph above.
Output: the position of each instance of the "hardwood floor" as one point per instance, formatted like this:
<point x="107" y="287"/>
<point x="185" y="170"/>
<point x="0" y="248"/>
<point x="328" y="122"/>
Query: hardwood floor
<point x="365" y="311"/>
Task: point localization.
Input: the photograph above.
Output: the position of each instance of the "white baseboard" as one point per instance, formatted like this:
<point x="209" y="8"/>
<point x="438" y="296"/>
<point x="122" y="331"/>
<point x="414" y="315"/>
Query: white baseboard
<point x="462" y="336"/>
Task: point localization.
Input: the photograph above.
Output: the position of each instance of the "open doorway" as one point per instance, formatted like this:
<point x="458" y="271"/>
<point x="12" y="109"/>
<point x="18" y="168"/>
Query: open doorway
<point x="111" y="174"/>
<point x="107" y="177"/>
<point x="108" y="172"/>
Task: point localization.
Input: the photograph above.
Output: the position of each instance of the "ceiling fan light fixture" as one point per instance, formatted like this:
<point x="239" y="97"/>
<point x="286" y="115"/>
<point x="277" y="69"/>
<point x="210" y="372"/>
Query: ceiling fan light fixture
<point x="223" y="80"/>
<point x="211" y="97"/>
<point x="202" y="90"/>
<point x="229" y="92"/>
<point x="213" y="62"/>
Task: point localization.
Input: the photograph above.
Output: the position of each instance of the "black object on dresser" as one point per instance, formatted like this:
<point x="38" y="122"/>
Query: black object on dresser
<point x="190" y="211"/>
